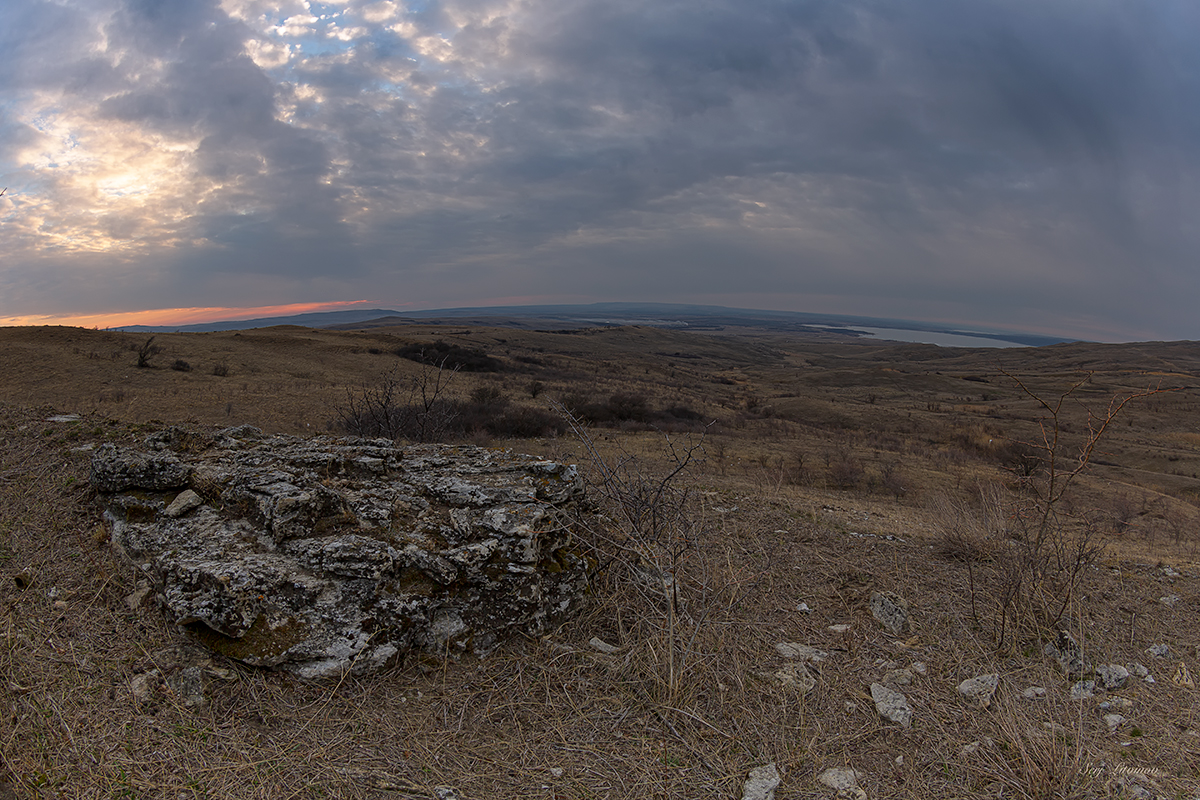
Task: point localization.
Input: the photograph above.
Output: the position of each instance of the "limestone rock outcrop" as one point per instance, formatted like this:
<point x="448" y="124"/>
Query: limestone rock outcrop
<point x="327" y="554"/>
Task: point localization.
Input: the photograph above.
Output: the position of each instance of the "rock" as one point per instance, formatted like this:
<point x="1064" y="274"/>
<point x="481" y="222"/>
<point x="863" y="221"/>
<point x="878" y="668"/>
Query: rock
<point x="897" y="677"/>
<point x="323" y="555"/>
<point x="803" y="608"/>
<point x="1034" y="692"/>
<point x="1083" y="690"/>
<point x="1113" y="721"/>
<point x="801" y="652"/>
<point x="1112" y="676"/>
<point x="184" y="502"/>
<point x="761" y="783"/>
<point x="1169" y="600"/>
<point x="1140" y="671"/>
<point x="1069" y="655"/>
<point x="1159" y="650"/>
<point x="919" y="667"/>
<point x="445" y="793"/>
<point x="840" y="628"/>
<point x="889" y="610"/>
<point x="143" y="686"/>
<point x="891" y="705"/>
<point x="791" y="676"/>
<point x="844" y="782"/>
<point x="980" y="689"/>
<point x="117" y="469"/>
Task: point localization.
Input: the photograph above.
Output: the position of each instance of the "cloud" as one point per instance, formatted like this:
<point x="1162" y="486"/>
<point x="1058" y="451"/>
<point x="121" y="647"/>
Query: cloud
<point x="998" y="161"/>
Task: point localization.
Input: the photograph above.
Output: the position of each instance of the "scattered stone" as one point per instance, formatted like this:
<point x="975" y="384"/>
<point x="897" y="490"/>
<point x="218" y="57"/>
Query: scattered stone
<point x="1083" y="690"/>
<point x="557" y="772"/>
<point x="445" y="793"/>
<point x="604" y="647"/>
<point x="1112" y="676"/>
<point x="1140" y="671"/>
<point x="184" y="502"/>
<point x="792" y="676"/>
<point x="329" y="554"/>
<point x="1034" y="692"/>
<point x="1069" y="655"/>
<point x="980" y="689"/>
<point x="1170" y="600"/>
<point x="1113" y="721"/>
<point x="134" y="600"/>
<point x="1116" y="702"/>
<point x="919" y="667"/>
<point x="841" y="628"/>
<point x="63" y="418"/>
<point x="761" y="783"/>
<point x="187" y="687"/>
<point x="803" y="608"/>
<point x="1170" y="572"/>
<point x="891" y="705"/>
<point x="974" y="747"/>
<point x="844" y="782"/>
<point x="800" y="651"/>
<point x="897" y="677"/>
<point x="143" y="686"/>
<point x="889" y="610"/>
<point x="1159" y="650"/>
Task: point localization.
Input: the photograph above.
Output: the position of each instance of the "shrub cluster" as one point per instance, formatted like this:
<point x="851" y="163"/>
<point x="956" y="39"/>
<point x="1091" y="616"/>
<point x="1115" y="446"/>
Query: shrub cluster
<point x="449" y="356"/>
<point x="630" y="411"/>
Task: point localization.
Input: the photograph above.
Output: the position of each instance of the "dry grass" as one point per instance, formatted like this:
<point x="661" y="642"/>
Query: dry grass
<point x="680" y="710"/>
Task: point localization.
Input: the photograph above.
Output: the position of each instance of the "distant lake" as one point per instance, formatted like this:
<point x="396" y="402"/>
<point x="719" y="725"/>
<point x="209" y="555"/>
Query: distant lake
<point x="928" y="337"/>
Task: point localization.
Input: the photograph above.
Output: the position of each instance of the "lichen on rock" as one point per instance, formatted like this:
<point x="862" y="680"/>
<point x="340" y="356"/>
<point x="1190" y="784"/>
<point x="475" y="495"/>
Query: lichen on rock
<point x="327" y="554"/>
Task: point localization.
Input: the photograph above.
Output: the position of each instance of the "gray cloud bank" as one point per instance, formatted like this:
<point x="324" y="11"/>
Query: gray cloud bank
<point x="1015" y="164"/>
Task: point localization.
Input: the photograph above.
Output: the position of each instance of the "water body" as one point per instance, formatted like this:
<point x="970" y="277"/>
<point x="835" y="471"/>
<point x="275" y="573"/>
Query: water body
<point x="929" y="337"/>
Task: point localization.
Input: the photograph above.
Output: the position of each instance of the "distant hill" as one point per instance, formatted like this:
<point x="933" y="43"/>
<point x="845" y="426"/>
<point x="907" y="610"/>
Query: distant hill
<point x="548" y="317"/>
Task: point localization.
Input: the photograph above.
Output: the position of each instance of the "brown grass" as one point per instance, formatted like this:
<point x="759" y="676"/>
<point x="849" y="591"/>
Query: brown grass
<point x="773" y="530"/>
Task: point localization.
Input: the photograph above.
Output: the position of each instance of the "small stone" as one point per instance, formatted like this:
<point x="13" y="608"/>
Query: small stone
<point x="919" y="667"/>
<point x="1113" y="721"/>
<point x="898" y="677"/>
<point x="980" y="689"/>
<point x="840" y="628"/>
<point x="793" y="676"/>
<point x="184" y="502"/>
<point x="1159" y="650"/>
<point x="845" y="782"/>
<point x="891" y="705"/>
<point x="761" y="783"/>
<point x="800" y="651"/>
<point x="60" y="605"/>
<point x="556" y="772"/>
<point x="1083" y="690"/>
<point x="1112" y="676"/>
<point x="1034" y="692"/>
<point x="1138" y="670"/>
<point x="1169" y="600"/>
<point x="803" y="608"/>
<point x="444" y="793"/>
<point x="143" y="686"/>
<point x="890" y="610"/>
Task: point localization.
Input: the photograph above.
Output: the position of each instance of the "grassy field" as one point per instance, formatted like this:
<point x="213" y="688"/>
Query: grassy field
<point x="824" y="471"/>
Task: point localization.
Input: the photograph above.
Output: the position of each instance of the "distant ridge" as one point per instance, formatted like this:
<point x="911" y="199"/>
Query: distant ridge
<point x="666" y="315"/>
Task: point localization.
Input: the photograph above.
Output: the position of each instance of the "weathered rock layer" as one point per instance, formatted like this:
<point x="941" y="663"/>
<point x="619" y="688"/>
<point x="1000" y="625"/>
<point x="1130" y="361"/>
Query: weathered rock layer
<point x="321" y="555"/>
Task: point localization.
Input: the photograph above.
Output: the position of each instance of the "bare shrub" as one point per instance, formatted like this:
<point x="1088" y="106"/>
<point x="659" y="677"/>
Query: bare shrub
<point x="180" y="365"/>
<point x="146" y="352"/>
<point x="221" y="369"/>
<point x="416" y="409"/>
<point x="845" y="472"/>
<point x="653" y="532"/>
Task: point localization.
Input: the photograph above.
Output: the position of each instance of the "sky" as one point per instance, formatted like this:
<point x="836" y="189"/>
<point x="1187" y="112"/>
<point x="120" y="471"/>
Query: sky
<point x="998" y="164"/>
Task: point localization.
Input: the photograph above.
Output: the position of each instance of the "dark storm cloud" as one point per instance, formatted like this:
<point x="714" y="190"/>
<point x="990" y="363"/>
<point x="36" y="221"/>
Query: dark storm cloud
<point x="993" y="161"/>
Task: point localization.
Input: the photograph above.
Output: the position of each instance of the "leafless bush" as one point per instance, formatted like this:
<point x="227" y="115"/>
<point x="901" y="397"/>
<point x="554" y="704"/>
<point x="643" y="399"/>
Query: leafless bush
<point x="416" y="408"/>
<point x="146" y="352"/>
<point x="1051" y="544"/>
<point x="654" y="530"/>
